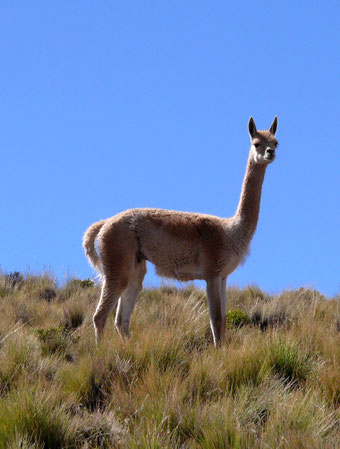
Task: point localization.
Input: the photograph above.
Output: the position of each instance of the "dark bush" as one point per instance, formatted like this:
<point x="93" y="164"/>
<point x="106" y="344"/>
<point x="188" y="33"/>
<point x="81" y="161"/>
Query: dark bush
<point x="73" y="318"/>
<point x="265" y="320"/>
<point x="14" y="279"/>
<point x="49" y="294"/>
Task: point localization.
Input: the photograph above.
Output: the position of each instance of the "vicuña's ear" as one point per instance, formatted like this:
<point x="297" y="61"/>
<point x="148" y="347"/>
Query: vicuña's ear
<point x="252" y="127"/>
<point x="273" y="126"/>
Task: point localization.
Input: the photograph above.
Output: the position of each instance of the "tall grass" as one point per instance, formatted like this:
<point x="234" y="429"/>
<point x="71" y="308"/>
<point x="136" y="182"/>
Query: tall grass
<point x="275" y="383"/>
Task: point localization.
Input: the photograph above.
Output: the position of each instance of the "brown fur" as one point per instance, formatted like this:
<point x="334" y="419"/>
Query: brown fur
<point x="181" y="245"/>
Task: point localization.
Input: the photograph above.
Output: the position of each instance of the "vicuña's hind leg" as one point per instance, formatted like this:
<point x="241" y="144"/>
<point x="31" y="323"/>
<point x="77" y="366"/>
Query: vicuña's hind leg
<point x="215" y="308"/>
<point x="110" y="294"/>
<point x="128" y="299"/>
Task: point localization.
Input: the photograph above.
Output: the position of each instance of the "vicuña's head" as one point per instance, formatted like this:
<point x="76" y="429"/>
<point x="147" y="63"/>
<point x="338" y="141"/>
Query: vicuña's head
<point x="263" y="143"/>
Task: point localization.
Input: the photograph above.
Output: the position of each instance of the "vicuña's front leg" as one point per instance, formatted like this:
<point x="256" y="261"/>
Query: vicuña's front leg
<point x="215" y="308"/>
<point x="223" y="306"/>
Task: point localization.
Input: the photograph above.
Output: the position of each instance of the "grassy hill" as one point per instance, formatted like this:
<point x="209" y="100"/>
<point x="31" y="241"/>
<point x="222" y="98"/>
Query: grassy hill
<point x="274" y="384"/>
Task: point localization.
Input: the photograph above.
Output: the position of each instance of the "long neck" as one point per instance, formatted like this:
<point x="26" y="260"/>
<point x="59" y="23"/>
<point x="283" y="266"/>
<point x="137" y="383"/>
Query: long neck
<point x="248" y="209"/>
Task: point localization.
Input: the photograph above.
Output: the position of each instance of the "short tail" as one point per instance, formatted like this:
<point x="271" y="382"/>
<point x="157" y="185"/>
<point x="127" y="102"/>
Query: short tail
<point x="89" y="244"/>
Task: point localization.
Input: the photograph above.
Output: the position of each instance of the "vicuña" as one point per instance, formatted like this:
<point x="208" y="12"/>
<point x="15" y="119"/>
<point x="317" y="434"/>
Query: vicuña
<point x="181" y="245"/>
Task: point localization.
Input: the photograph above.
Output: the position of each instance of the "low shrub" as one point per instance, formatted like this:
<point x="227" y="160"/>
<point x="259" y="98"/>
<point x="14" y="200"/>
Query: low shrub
<point x="56" y="340"/>
<point x="237" y="318"/>
<point x="81" y="283"/>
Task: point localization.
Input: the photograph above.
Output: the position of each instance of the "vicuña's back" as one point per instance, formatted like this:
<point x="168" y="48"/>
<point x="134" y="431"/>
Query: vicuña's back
<point x="181" y="245"/>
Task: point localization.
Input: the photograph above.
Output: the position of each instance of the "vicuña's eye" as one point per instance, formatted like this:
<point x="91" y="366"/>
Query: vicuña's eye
<point x="256" y="145"/>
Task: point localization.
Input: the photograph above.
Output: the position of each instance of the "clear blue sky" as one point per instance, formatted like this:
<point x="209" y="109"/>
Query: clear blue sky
<point x="112" y="105"/>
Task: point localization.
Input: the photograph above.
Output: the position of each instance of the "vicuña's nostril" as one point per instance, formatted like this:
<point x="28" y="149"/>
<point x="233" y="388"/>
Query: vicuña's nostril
<point x="270" y="152"/>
